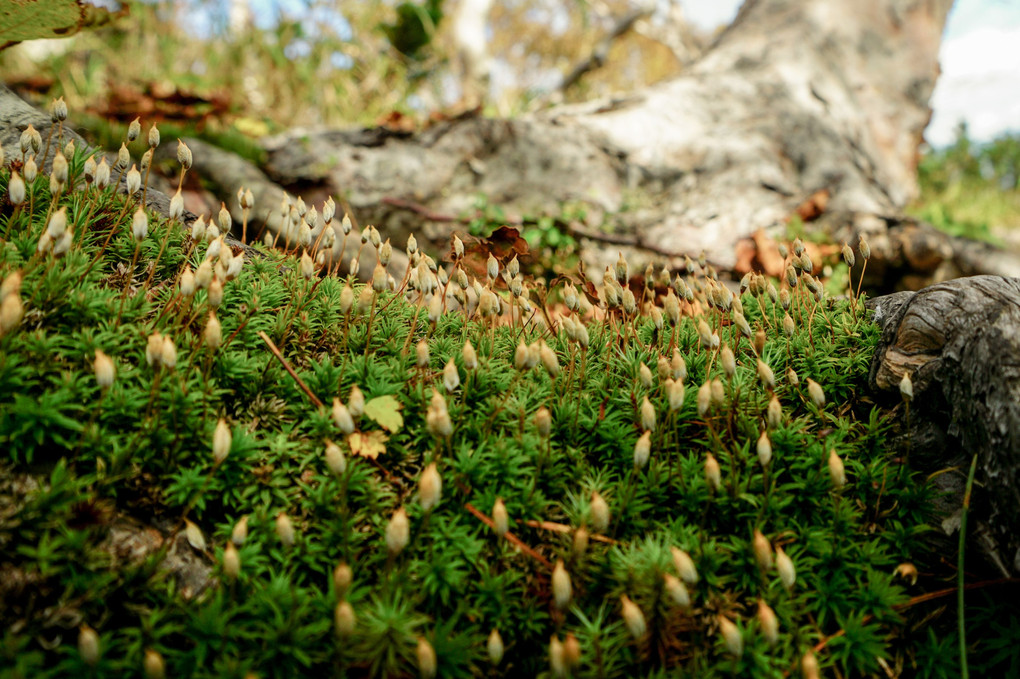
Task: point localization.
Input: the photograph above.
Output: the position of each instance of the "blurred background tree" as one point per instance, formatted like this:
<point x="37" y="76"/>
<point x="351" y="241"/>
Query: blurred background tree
<point x="274" y="64"/>
<point x="971" y="189"/>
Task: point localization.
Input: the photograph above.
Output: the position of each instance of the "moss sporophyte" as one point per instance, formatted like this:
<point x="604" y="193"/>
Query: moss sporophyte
<point x="244" y="460"/>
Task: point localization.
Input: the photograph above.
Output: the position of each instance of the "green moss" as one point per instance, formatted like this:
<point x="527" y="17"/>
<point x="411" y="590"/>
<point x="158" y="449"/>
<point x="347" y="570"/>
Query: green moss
<point x="140" y="453"/>
<point x="48" y="19"/>
<point x="108" y="134"/>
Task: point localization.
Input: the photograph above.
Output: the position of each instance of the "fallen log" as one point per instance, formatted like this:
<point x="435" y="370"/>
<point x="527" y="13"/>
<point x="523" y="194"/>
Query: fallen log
<point x="791" y="102"/>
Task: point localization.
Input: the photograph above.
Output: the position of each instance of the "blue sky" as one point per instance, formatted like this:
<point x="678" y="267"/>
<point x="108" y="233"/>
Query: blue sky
<point x="980" y="59"/>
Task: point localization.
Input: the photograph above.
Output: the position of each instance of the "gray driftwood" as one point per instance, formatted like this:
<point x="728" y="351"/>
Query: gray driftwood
<point x="793" y="101"/>
<point x="960" y="341"/>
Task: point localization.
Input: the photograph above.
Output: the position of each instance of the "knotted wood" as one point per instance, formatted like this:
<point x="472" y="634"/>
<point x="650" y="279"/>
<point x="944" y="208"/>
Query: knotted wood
<point x="960" y="342"/>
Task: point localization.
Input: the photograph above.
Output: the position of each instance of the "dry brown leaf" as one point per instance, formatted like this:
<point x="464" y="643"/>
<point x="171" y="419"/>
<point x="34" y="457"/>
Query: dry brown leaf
<point x="768" y="254"/>
<point x="504" y="243"/>
<point x="814" y="206"/>
<point x="368" y="443"/>
<point x="589" y="289"/>
<point x="746" y="251"/>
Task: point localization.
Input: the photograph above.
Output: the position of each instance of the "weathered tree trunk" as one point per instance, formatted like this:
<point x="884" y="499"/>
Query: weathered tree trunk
<point x="960" y="341"/>
<point x="818" y="99"/>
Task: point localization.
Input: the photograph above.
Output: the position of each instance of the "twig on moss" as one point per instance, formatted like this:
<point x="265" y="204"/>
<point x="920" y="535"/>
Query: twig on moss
<point x="914" y="601"/>
<point x="563" y="528"/>
<point x="513" y="539"/>
<point x="276" y="352"/>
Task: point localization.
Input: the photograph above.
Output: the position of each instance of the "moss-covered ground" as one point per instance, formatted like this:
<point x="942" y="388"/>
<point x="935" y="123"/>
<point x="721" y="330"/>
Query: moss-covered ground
<point x="310" y="477"/>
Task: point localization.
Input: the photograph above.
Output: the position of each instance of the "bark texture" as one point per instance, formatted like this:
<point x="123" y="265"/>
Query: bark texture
<point x="960" y="341"/>
<point x="812" y="108"/>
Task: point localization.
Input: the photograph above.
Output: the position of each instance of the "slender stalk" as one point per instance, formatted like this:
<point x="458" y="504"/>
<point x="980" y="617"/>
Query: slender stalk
<point x="371" y="317"/>
<point x="109" y="236"/>
<point x="11" y="220"/>
<point x="860" y="281"/>
<point x="49" y="138"/>
<point x="414" y="325"/>
<point x="279" y="357"/>
<point x="400" y="291"/>
<point x="79" y="236"/>
<point x="162" y="248"/>
<point x="31" y="198"/>
<point x="906" y="456"/>
<point x="293" y="315"/>
<point x="964" y="671"/>
<point x="340" y="257"/>
<point x="127" y="287"/>
<point x="145" y="181"/>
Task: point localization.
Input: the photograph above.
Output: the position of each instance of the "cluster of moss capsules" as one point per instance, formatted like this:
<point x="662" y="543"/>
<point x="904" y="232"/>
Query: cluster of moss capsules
<point x="455" y="468"/>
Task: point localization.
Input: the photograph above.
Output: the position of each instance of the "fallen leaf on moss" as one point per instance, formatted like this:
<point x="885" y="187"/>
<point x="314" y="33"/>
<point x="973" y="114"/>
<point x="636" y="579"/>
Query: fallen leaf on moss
<point x="368" y="444"/>
<point x="504" y="244"/>
<point x="385" y="410"/>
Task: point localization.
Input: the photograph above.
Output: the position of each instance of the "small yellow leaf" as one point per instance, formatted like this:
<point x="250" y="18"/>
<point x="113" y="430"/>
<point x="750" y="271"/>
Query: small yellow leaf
<point x="368" y="444"/>
<point x="386" y="411"/>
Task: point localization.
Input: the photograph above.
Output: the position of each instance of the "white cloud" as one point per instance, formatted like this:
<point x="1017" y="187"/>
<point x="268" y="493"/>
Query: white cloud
<point x="980" y="83"/>
<point x="710" y="14"/>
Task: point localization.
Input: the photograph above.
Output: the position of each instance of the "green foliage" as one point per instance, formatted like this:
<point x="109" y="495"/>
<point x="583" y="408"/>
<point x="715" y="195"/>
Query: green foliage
<point x="315" y="64"/>
<point x="114" y="477"/>
<point x="414" y="26"/>
<point x="108" y="134"/>
<point x="972" y="190"/>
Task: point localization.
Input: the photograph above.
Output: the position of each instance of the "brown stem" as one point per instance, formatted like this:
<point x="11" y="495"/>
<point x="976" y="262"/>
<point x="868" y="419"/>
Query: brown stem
<point x="562" y="528"/>
<point x="513" y="539"/>
<point x="131" y="276"/>
<point x="276" y="352"/>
